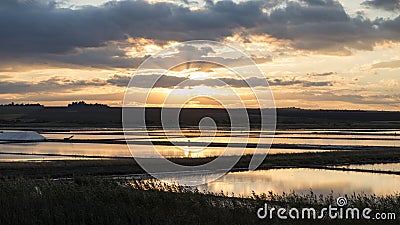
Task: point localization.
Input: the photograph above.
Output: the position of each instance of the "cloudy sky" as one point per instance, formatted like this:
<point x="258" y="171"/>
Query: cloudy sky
<point x="331" y="54"/>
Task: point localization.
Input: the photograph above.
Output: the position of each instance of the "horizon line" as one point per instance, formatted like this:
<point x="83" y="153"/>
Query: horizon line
<point x="199" y="107"/>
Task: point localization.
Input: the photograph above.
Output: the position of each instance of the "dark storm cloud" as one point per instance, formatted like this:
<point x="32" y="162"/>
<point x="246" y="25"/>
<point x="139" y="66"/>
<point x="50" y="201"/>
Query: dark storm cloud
<point x="304" y="83"/>
<point x="321" y="74"/>
<point x="391" y="100"/>
<point x="61" y="84"/>
<point x="53" y="84"/>
<point x="36" y="29"/>
<point x="38" y="97"/>
<point x="105" y="57"/>
<point x="314" y="11"/>
<point x="165" y="81"/>
<point x="323" y="25"/>
<point x="390" y="5"/>
<point x="110" y="56"/>
<point x="119" y="80"/>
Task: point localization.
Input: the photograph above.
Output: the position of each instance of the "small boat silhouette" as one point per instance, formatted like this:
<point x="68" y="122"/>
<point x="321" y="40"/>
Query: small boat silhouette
<point x="68" y="138"/>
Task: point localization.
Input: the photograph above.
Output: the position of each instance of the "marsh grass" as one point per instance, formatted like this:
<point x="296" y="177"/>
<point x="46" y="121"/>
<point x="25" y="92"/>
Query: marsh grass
<point x="88" y="200"/>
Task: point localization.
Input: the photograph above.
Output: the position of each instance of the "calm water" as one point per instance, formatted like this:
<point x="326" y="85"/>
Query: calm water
<point x="36" y="158"/>
<point x="297" y="137"/>
<point x="119" y="150"/>
<point x="316" y="137"/>
<point x="303" y="180"/>
<point x="376" y="167"/>
<point x="240" y="183"/>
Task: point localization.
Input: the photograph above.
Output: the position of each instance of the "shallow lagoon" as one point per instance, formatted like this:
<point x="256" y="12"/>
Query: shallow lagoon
<point x="303" y="180"/>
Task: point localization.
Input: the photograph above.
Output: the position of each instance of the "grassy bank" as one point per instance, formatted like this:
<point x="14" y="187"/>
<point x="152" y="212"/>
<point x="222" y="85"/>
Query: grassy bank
<point x="69" y="168"/>
<point x="105" y="201"/>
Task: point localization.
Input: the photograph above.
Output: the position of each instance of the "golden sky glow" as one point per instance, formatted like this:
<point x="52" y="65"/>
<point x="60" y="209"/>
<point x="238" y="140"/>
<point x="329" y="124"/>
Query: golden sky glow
<point x="304" y="69"/>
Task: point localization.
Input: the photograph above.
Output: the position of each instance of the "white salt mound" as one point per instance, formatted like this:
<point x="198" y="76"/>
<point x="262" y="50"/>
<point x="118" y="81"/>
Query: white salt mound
<point x="21" y="136"/>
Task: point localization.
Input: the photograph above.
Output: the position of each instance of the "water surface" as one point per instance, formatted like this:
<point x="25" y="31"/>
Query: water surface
<point x="390" y="138"/>
<point x="303" y="180"/>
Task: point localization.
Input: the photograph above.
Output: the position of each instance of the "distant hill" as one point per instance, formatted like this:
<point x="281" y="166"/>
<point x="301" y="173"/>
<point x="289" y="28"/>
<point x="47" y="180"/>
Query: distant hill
<point x="83" y="105"/>
<point x="78" y="115"/>
<point x="20" y="108"/>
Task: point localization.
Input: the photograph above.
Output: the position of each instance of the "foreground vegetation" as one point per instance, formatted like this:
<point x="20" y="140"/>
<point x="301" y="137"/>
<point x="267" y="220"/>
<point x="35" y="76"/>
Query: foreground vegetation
<point x="83" y="192"/>
<point x="110" y="201"/>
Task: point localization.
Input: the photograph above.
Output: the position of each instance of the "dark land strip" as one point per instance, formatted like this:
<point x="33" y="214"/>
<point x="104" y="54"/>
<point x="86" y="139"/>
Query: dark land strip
<point x="214" y="144"/>
<point x="126" y="166"/>
<point x="60" y="118"/>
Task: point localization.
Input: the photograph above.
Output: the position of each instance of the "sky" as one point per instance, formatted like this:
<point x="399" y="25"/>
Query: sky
<point x="315" y="54"/>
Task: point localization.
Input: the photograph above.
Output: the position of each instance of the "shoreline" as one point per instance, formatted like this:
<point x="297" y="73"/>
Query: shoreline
<point x="217" y="144"/>
<point x="126" y="166"/>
